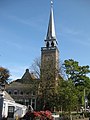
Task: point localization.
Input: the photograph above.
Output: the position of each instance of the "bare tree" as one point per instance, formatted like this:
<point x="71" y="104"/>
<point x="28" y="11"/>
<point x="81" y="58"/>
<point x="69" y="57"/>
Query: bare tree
<point x="36" y="66"/>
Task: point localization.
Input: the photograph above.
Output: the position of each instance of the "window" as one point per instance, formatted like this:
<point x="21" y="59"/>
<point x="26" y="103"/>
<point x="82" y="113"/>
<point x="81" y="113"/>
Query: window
<point x="21" y="93"/>
<point x="9" y="92"/>
<point x="10" y="109"/>
<point x="33" y="92"/>
<point x="33" y="100"/>
<point x="27" y="93"/>
<point x="15" y="92"/>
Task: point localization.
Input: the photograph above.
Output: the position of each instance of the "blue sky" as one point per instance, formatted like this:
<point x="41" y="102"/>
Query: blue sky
<point x="23" y="27"/>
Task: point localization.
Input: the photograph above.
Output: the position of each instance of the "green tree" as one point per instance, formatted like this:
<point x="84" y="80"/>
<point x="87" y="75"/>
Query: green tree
<point x="48" y="83"/>
<point x="67" y="96"/>
<point x="78" y="75"/>
<point x="47" y="73"/>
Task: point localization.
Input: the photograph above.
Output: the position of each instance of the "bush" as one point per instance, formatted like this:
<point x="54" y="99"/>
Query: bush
<point x="45" y="115"/>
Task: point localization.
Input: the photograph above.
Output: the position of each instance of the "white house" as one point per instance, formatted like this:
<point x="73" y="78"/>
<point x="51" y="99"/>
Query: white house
<point x="9" y="108"/>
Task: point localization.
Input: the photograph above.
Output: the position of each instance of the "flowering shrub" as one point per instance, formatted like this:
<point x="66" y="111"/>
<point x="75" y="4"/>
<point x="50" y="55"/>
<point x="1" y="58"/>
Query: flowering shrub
<point x="41" y="115"/>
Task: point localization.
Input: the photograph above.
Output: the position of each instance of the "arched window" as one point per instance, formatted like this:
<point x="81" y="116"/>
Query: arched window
<point x="47" y="45"/>
<point x="52" y="44"/>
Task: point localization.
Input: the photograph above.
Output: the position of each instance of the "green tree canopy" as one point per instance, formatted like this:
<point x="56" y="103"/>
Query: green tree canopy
<point x="67" y="95"/>
<point x="75" y="72"/>
<point x="79" y="76"/>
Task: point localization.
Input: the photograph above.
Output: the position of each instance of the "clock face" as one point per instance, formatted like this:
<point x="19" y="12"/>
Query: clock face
<point x="48" y="57"/>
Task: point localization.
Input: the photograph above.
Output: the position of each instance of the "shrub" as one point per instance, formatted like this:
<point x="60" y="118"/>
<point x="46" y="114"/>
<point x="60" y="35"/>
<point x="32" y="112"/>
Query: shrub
<point x="42" y="115"/>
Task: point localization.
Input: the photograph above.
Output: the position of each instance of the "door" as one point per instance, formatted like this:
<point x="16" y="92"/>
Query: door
<point x="11" y="111"/>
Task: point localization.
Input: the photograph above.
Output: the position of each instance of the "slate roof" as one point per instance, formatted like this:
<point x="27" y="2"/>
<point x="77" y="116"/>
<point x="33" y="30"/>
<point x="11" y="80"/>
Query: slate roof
<point x="28" y="75"/>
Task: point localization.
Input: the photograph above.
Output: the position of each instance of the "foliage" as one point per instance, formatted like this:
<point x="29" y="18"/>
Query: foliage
<point x="47" y="73"/>
<point x="76" y="73"/>
<point x="67" y="96"/>
<point x="4" y="75"/>
<point x="46" y="92"/>
<point x="63" y="94"/>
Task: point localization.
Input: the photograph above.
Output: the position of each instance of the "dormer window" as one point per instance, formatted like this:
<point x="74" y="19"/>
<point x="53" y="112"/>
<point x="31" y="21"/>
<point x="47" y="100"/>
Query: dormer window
<point x="15" y="92"/>
<point x="10" y="92"/>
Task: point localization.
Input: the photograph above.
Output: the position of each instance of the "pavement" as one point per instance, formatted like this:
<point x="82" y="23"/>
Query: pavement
<point x="82" y="119"/>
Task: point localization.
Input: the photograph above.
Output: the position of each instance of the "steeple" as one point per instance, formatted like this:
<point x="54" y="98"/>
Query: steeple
<point x="51" y="36"/>
<point x="50" y="53"/>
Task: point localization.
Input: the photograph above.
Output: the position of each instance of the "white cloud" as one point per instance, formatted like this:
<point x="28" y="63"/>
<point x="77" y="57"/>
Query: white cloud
<point x="32" y="21"/>
<point x="77" y="36"/>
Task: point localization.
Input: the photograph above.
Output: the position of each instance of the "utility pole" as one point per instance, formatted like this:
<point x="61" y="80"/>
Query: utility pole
<point x="84" y="100"/>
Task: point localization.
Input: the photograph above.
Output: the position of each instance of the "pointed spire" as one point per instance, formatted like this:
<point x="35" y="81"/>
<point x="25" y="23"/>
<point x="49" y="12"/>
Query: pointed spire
<point x="51" y="27"/>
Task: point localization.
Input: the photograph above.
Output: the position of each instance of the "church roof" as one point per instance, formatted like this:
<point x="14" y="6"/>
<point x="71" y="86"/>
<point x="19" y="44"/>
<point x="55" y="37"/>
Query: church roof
<point x="27" y="78"/>
<point x="18" y="86"/>
<point x="27" y="81"/>
<point x="51" y="26"/>
<point x="28" y="75"/>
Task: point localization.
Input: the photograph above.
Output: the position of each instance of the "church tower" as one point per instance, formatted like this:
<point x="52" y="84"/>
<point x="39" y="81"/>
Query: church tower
<point x="50" y="53"/>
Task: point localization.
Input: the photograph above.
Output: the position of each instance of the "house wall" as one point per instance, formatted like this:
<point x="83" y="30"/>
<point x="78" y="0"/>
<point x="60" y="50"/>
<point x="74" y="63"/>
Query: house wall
<point x="5" y="103"/>
<point x="1" y="106"/>
<point x="19" y="109"/>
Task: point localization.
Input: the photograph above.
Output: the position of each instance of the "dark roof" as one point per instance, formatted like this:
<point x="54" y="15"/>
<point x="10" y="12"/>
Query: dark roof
<point x="28" y="75"/>
<point x="27" y="78"/>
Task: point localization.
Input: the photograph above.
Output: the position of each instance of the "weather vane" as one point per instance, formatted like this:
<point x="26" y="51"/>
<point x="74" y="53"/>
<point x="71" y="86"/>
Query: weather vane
<point x="51" y="2"/>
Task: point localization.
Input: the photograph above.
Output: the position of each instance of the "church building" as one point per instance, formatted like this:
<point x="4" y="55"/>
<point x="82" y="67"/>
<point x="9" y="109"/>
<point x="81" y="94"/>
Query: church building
<point x="25" y="90"/>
